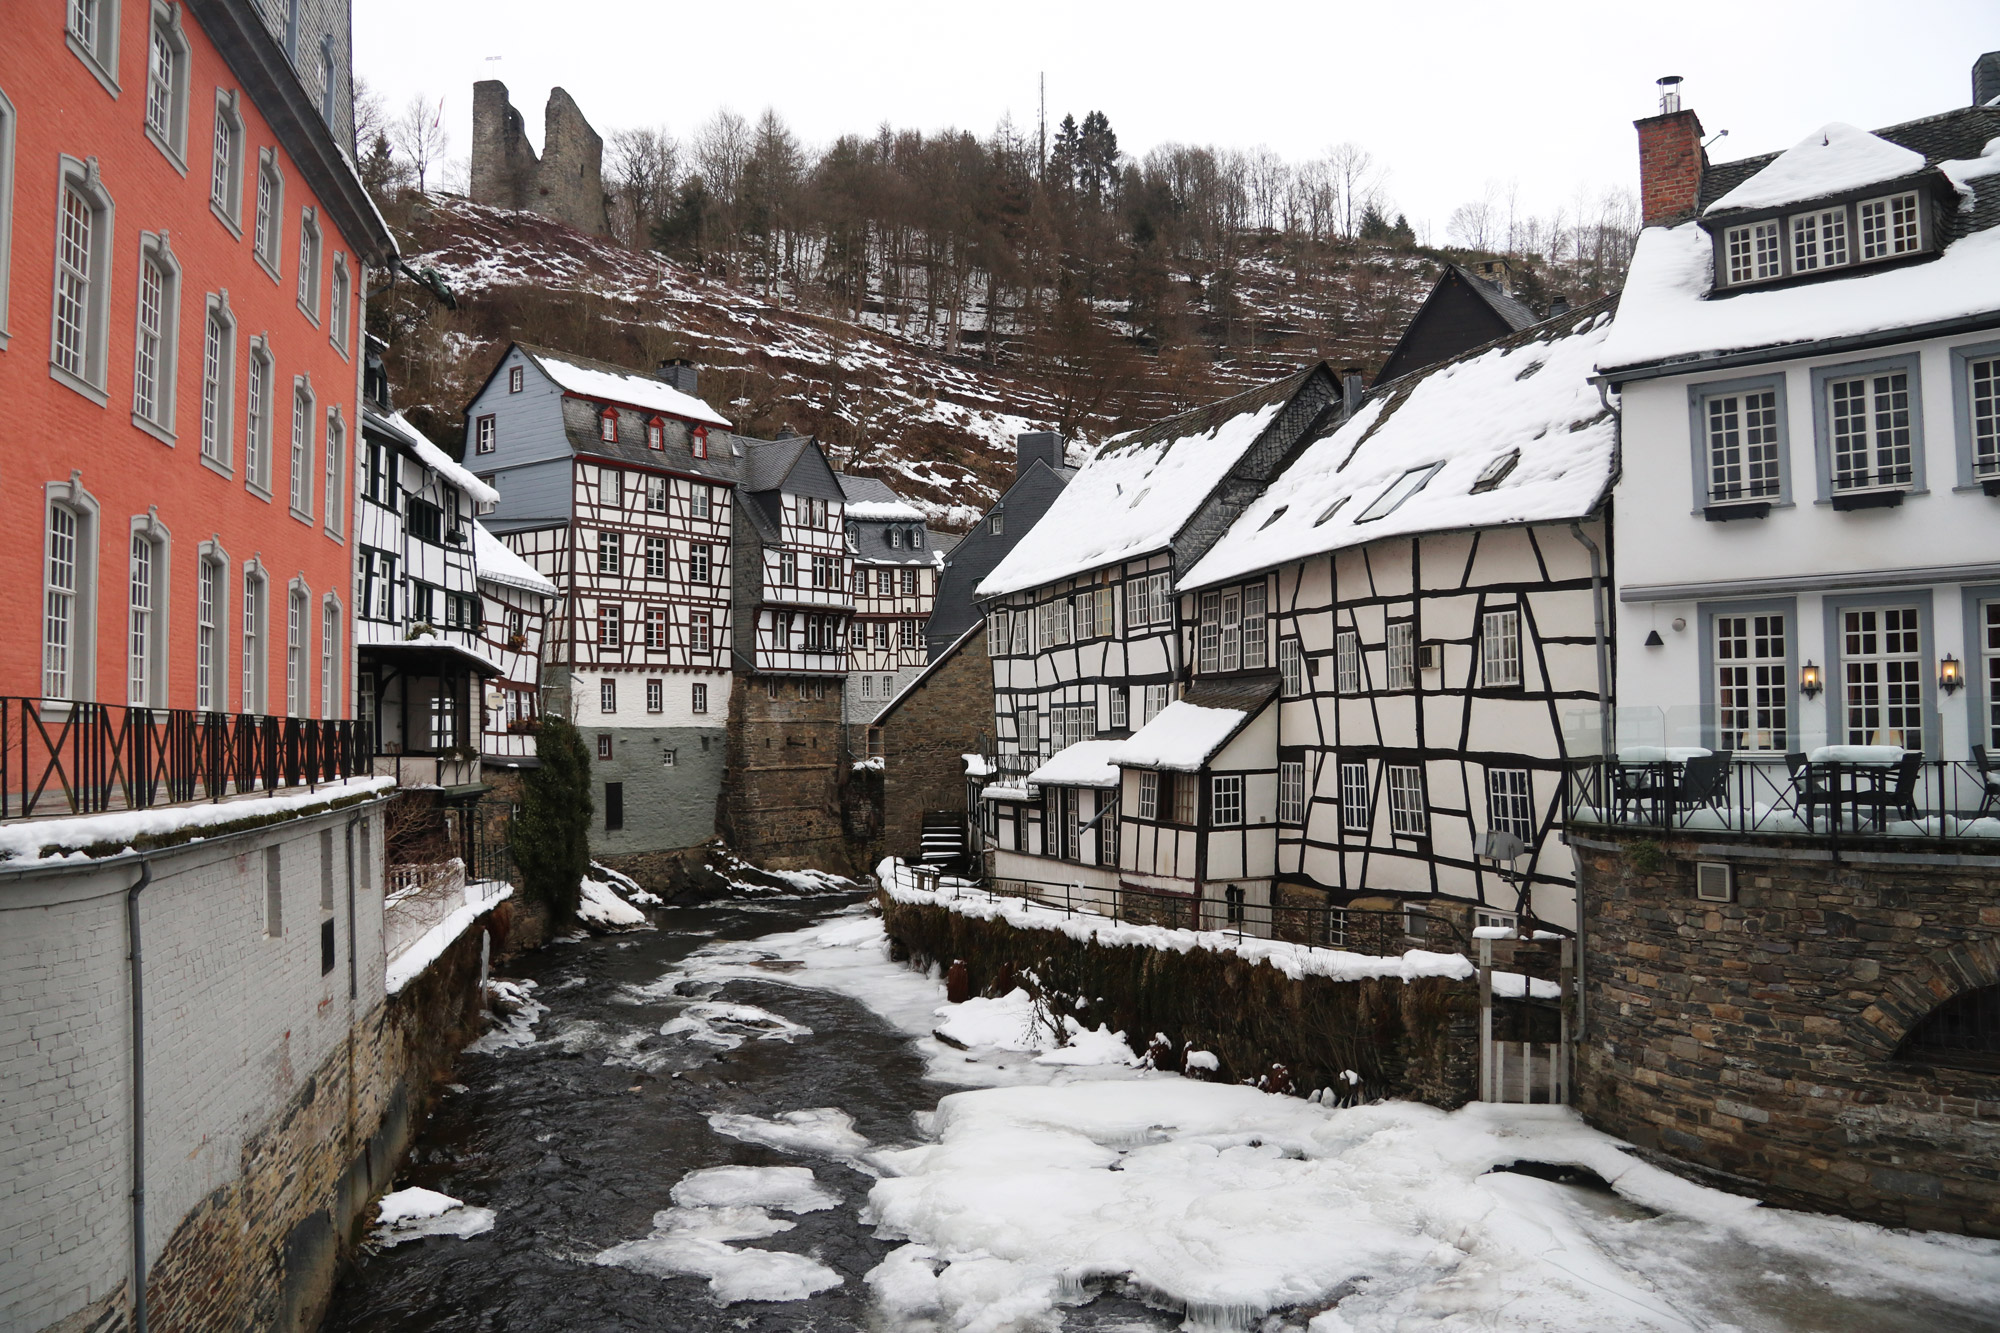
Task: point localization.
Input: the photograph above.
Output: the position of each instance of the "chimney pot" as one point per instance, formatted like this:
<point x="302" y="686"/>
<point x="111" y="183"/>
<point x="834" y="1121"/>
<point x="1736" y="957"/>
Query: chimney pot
<point x="1351" y="389"/>
<point x="679" y="372"/>
<point x="1558" y="305"/>
<point x="1670" y="94"/>
<point x="1986" y="79"/>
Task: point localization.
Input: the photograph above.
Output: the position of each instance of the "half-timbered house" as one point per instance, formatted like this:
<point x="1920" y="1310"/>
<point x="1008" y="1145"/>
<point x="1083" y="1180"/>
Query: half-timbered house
<point x="1083" y="627"/>
<point x="620" y="488"/>
<point x="1426" y="581"/>
<point x="896" y="567"/>
<point x="418" y="623"/>
<point x="516" y="598"/>
<point x="1040" y="473"/>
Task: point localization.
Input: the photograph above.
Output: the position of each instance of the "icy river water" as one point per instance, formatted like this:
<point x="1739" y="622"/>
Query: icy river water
<point x="655" y="1051"/>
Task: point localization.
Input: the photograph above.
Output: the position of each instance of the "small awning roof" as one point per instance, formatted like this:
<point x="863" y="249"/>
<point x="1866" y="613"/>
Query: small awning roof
<point x="1082" y="764"/>
<point x="413" y="648"/>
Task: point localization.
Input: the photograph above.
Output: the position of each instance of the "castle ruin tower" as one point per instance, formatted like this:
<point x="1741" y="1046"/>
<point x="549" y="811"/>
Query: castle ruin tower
<point x="565" y="183"/>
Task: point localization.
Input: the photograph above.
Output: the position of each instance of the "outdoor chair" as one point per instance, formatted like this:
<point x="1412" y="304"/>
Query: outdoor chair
<point x="1988" y="779"/>
<point x="1704" y="782"/>
<point x="1808" y="792"/>
<point x="1636" y="786"/>
<point x="1902" y="796"/>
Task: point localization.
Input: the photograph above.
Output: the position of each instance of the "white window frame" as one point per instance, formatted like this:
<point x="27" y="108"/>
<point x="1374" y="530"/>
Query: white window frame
<point x="225" y="167"/>
<point x="148" y="607"/>
<point x="301" y="480"/>
<point x="80" y="302"/>
<point x="701" y="637"/>
<point x="1149" y="794"/>
<point x="1889" y="226"/>
<point x="1980" y="388"/>
<point x="1115" y="709"/>
<point x="335" y="451"/>
<point x="330" y="619"/>
<point x="90" y="28"/>
<point x="1820" y="240"/>
<point x="156" y="339"/>
<point x="211" y="669"/>
<point x="698" y="697"/>
<point x="218" y="383"/>
<point x="656" y="557"/>
<point x="1347" y="661"/>
<point x="7" y="155"/>
<point x="1743" y="445"/>
<point x="298" y="674"/>
<point x="1291" y="669"/>
<point x="1355" y="798"/>
<point x="1256" y="627"/>
<point x="69" y="588"/>
<point x="1867" y="674"/>
<point x="1400" y="655"/>
<point x="254" y="640"/>
<point x="1291" y="791"/>
<point x="610" y="625"/>
<point x="701" y="562"/>
<point x="1884" y="404"/>
<point x="1408" y="814"/>
<point x="656" y="695"/>
<point x="1510" y="803"/>
<point x="340" y="301"/>
<point x="656" y="629"/>
<point x="1751" y="658"/>
<point x="610" y="553"/>
<point x="1225" y="800"/>
<point x="1754" y="252"/>
<point x="607" y="694"/>
<point x="168" y="65"/>
<point x="1500" y="647"/>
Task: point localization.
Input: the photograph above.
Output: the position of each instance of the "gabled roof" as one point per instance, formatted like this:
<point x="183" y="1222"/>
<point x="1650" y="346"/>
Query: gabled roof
<point x="1430" y="336"/>
<point x="975" y="630"/>
<point x="1830" y="160"/>
<point x="1669" y="320"/>
<point x="1528" y="396"/>
<point x="873" y="510"/>
<point x="1498" y="299"/>
<point x="397" y="427"/>
<point x="1188" y="732"/>
<point x="607" y="382"/>
<point x="1135" y="496"/>
<point x="495" y="562"/>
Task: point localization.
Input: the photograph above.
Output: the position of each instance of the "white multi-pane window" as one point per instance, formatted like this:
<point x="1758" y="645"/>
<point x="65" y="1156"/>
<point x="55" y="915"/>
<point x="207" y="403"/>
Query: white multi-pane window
<point x="343" y="296"/>
<point x="1752" y="683"/>
<point x="1882" y="677"/>
<point x="699" y="556"/>
<point x="1225" y="796"/>
<point x="698" y="502"/>
<point x="336" y="451"/>
<point x="329" y="659"/>
<point x="868" y="687"/>
<point x="656" y="696"/>
<point x="1149" y="795"/>
<point x="906" y="633"/>
<point x="1053" y="623"/>
<point x="1092" y="613"/>
<point x="607" y="695"/>
<point x="216" y="361"/>
<point x="59" y="614"/>
<point x="270" y="198"/>
<point x="699" y="638"/>
<point x="253" y="642"/>
<point x="207" y="662"/>
<point x="166" y="85"/>
<point x="1354" y="797"/>
<point x="1116" y="708"/>
<point x="611" y="488"/>
<point x="1401" y="665"/>
<point x="75" y="299"/>
<point x="880" y="633"/>
<point x="1407" y="816"/>
<point x="1889" y="227"/>
<point x="610" y="626"/>
<point x="257" y="423"/>
<point x="1990" y="614"/>
<point x="309" y="265"/>
<point x="1869" y="416"/>
<point x="1983" y="387"/>
<point x="139" y="678"/>
<point x="150" y="355"/>
<point x="610" y="553"/>
<point x="83" y="20"/>
<point x="1743" y="446"/>
<point x="656" y="627"/>
<point x="1510" y="803"/>
<point x="1819" y="240"/>
<point x="302" y="430"/>
<point x="656" y="491"/>
<point x="656" y="557"/>
<point x="1256" y="646"/>
<point x="698" y="698"/>
<point x="1347" y="661"/>
<point x="1156" y="702"/>
<point x="1753" y="252"/>
<point x="788" y="569"/>
<point x="1291" y="668"/>
<point x="1028" y="731"/>
<point x="825" y="572"/>
<point x="1291" y="791"/>
<point x="1500" y="647"/>
<point x="295" y="653"/>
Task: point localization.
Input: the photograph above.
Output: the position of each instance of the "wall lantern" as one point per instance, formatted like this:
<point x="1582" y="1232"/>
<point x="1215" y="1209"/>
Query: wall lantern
<point x="1950" y="678"/>
<point x="1810" y="684"/>
<point x="1653" y="640"/>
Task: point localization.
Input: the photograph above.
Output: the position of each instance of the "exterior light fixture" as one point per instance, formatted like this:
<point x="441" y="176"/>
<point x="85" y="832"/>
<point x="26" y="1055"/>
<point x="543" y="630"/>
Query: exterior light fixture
<point x="1810" y="684"/>
<point x="1653" y="640"/>
<point x="1950" y="677"/>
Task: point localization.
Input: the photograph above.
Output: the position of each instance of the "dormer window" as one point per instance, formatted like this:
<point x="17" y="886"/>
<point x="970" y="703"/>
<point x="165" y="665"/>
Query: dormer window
<point x="607" y="425"/>
<point x="698" y="442"/>
<point x="1753" y="252"/>
<point x="656" y="434"/>
<point x="1819" y="240"/>
<point x="895" y="538"/>
<point x="1889" y="226"/>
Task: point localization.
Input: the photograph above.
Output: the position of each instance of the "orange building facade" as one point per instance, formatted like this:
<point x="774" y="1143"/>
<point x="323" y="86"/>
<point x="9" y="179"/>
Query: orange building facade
<point x="184" y="254"/>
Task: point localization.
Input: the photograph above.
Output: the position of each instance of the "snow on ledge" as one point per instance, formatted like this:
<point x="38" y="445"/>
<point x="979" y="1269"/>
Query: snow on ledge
<point x="1181" y="737"/>
<point x="876" y="511"/>
<point x="481" y="897"/>
<point x="21" y="843"/>
<point x="1296" y="961"/>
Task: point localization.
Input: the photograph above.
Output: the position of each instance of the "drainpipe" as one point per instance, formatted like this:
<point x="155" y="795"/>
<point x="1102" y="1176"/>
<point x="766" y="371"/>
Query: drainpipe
<point x="1604" y="732"/>
<point x="138" y="1102"/>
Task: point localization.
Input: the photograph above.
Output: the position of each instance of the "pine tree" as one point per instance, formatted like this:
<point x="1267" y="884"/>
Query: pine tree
<point x="550" y="834"/>
<point x="1064" y="156"/>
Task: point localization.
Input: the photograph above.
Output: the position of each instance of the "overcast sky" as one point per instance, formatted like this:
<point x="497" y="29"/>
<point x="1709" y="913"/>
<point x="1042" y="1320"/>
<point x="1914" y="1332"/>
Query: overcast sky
<point x="1447" y="96"/>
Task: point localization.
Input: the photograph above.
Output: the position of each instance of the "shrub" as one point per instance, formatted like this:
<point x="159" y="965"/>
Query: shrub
<point x="551" y="831"/>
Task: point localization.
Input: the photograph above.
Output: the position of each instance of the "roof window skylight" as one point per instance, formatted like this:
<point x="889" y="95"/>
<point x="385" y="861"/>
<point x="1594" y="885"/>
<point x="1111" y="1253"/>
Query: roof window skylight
<point x="1330" y="511"/>
<point x="1144" y="491"/>
<point x="1496" y="471"/>
<point x="1276" y="514"/>
<point x="1399" y="490"/>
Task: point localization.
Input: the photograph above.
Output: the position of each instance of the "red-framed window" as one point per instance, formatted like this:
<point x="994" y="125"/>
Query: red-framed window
<point x="607" y="425"/>
<point x="700" y="442"/>
<point x="656" y="433"/>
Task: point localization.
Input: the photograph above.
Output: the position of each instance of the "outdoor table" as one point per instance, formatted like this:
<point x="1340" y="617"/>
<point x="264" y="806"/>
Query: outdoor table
<point x="1854" y="776"/>
<point x="1651" y="774"/>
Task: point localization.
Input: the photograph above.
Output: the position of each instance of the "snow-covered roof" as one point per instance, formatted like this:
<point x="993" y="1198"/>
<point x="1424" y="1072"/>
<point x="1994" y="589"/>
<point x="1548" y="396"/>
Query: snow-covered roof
<point x="1831" y="159"/>
<point x="435" y="458"/>
<point x="630" y="387"/>
<point x="496" y="561"/>
<point x="1134" y="497"/>
<point x="1665" y="313"/>
<point x="1081" y="764"/>
<point x="1183" y="736"/>
<point x="1442" y="431"/>
<point x="884" y="510"/>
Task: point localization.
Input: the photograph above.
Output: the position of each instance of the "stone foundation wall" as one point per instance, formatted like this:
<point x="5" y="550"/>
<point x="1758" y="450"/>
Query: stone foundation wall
<point x="1756" y="1040"/>
<point x="924" y="742"/>
<point x="781" y="790"/>
<point x="1415" y="1039"/>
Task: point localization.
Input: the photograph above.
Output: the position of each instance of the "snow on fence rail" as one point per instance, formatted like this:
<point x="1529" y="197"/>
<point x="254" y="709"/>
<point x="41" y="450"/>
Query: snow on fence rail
<point x="1129" y="918"/>
<point x="418" y="897"/>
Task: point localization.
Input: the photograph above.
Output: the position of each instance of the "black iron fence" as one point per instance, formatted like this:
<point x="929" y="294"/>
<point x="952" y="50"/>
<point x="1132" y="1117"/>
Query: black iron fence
<point x="1385" y="932"/>
<point x="1908" y="798"/>
<point x="60" y="758"/>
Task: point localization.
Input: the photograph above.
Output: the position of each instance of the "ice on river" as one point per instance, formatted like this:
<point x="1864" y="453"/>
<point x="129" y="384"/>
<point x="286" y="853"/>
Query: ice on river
<point x="517" y="1028"/>
<point x="731" y="1203"/>
<point x="1011" y="1022"/>
<point x="411" y="1214"/>
<point x="824" y="1131"/>
<point x="727" y="1026"/>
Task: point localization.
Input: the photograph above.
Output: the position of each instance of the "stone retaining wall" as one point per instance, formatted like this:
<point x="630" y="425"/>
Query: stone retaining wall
<point x="1757" y="1040"/>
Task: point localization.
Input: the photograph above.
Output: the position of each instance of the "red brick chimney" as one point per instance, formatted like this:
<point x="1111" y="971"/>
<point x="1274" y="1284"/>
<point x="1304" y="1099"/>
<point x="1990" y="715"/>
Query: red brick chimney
<point x="1671" y="159"/>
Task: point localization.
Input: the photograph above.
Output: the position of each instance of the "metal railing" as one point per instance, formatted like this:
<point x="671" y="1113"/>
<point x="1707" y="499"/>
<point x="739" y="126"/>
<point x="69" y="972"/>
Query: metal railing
<point x="61" y="758"/>
<point x="1929" y="800"/>
<point x="1384" y="932"/>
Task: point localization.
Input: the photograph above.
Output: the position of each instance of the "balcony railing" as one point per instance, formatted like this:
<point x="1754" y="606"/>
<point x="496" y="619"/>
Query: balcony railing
<point x="1937" y="801"/>
<point x="61" y="758"/>
<point x="1381" y="932"/>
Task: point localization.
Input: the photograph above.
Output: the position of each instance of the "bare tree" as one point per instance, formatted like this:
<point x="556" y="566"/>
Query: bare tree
<point x="644" y="169"/>
<point x="1351" y="168"/>
<point x="420" y="136"/>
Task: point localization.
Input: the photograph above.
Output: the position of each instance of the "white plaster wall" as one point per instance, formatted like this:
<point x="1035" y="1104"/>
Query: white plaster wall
<point x="677" y="698"/>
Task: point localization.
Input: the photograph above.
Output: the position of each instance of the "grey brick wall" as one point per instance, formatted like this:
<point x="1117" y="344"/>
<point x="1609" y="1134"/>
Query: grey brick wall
<point x="236" y="1021"/>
